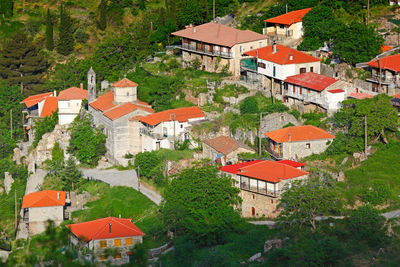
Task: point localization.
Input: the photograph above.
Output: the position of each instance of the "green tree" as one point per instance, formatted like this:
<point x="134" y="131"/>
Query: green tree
<point x="21" y="63"/>
<point x="65" y="44"/>
<point x="103" y="15"/>
<point x="364" y="44"/>
<point x="200" y="205"/>
<point x="147" y="161"/>
<point x="305" y="200"/>
<point x="249" y="105"/>
<point x="6" y="8"/>
<point x="49" y="32"/>
<point x="43" y="126"/>
<point x="70" y="174"/>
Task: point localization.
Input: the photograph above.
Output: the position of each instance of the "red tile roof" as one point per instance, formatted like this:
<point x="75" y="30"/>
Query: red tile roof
<point x="73" y="93"/>
<point x="100" y="229"/>
<point x="271" y="171"/>
<point x="34" y="99"/>
<point x="282" y="55"/>
<point x="385" y="48"/>
<point x="360" y="95"/>
<point x="125" y="83"/>
<point x="388" y="63"/>
<point x="289" y="18"/>
<point x="104" y="102"/>
<point x="50" y="106"/>
<point x="226" y="145"/>
<point x="336" y="91"/>
<point x="124" y="109"/>
<point x="234" y="168"/>
<point x="178" y="114"/>
<point x="299" y="133"/>
<point x="45" y="198"/>
<point x="397" y="96"/>
<point x="311" y="80"/>
<point x="219" y="34"/>
<point x="292" y="163"/>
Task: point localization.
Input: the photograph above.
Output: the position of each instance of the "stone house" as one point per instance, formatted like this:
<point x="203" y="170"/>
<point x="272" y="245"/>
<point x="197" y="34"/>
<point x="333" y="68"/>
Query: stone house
<point x="312" y="90"/>
<point x="115" y="112"/>
<point x="262" y="183"/>
<point x="216" y="45"/>
<point x="289" y="25"/>
<point x="163" y="129"/>
<point x="275" y="121"/>
<point x="297" y="142"/>
<point x="70" y="103"/>
<point x="39" y="207"/>
<point x="36" y="108"/>
<point x="271" y="65"/>
<point x="105" y="241"/>
<point x="224" y="150"/>
<point x="385" y="74"/>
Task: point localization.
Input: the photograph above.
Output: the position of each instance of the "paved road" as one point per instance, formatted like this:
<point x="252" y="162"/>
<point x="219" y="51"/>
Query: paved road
<point x="128" y="178"/>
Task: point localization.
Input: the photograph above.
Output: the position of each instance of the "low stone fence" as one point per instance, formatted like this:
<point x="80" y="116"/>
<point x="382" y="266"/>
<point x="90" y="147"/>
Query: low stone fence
<point x="156" y="252"/>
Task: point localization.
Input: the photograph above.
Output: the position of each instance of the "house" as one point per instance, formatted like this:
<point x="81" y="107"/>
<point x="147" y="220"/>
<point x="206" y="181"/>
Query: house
<point x="224" y="150"/>
<point x="271" y="65"/>
<point x="164" y="129"/>
<point x="36" y="108"/>
<point x="70" y="103"/>
<point x="97" y="239"/>
<point x="297" y="142"/>
<point x="217" y="46"/>
<point x="115" y="112"/>
<point x="312" y="90"/>
<point x="39" y="207"/>
<point x="394" y="2"/>
<point x="262" y="183"/>
<point x="385" y="74"/>
<point x="286" y="25"/>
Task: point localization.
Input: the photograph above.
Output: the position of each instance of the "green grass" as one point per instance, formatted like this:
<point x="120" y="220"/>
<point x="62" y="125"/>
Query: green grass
<point x="174" y="155"/>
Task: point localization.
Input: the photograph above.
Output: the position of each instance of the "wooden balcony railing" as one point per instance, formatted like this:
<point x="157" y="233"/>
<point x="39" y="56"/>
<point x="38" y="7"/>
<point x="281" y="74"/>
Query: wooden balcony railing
<point x="273" y="153"/>
<point x="207" y="51"/>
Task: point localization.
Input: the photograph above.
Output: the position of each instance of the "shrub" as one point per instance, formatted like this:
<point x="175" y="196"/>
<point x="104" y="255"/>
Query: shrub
<point x="81" y="36"/>
<point x="44" y="126"/>
<point x="147" y="161"/>
<point x="377" y="194"/>
<point x="249" y="105"/>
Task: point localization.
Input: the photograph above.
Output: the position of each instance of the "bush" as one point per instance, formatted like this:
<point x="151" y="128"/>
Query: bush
<point x="147" y="161"/>
<point x="44" y="126"/>
<point x="377" y="194"/>
<point x="81" y="36"/>
<point x="249" y="105"/>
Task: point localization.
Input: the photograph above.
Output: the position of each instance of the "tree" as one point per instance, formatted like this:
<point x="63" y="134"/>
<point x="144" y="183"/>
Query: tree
<point x="21" y="63"/>
<point x="7" y="8"/>
<point x="249" y="105"/>
<point x="305" y="200"/>
<point x="363" y="45"/>
<point x="70" y="174"/>
<point x="200" y="205"/>
<point x="65" y="44"/>
<point x="103" y="15"/>
<point x="49" y="32"/>
<point x="43" y="126"/>
<point x="147" y="161"/>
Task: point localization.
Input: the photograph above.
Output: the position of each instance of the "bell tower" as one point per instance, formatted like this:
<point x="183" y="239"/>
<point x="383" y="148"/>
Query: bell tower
<point x="91" y="85"/>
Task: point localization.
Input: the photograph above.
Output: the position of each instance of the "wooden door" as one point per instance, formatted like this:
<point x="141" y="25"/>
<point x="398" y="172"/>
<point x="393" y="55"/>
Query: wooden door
<point x="253" y="211"/>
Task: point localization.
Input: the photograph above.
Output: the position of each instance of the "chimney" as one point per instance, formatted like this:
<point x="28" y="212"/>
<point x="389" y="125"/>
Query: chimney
<point x="109" y="227"/>
<point x="291" y="57"/>
<point x="54" y="93"/>
<point x="58" y="195"/>
<point x="274" y="48"/>
<point x="81" y="85"/>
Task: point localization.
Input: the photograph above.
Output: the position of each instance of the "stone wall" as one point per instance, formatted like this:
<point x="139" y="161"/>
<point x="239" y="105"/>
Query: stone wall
<point x="276" y="121"/>
<point x="263" y="206"/>
<point x="298" y="150"/>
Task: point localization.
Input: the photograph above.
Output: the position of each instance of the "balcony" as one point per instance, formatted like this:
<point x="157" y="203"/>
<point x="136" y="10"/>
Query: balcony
<point x="307" y="98"/>
<point x="212" y="52"/>
<point x="384" y="80"/>
<point x="248" y="64"/>
<point x="152" y="134"/>
<point x="273" y="153"/>
<point x="259" y="190"/>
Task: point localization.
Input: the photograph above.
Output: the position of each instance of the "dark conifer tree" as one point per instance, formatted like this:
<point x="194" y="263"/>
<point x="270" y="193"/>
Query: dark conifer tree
<point x="103" y="15"/>
<point x="6" y="8"/>
<point x="65" y="44"/>
<point x="49" y="32"/>
<point x="21" y="63"/>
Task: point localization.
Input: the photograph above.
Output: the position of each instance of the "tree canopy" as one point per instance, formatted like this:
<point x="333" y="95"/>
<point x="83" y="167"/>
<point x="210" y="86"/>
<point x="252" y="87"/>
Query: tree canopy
<point x="65" y="44"/>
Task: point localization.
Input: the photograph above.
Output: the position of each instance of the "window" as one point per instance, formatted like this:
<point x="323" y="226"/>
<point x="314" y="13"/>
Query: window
<point x="308" y="145"/>
<point x="251" y="48"/>
<point x="274" y="71"/>
<point x="128" y="241"/>
<point x="68" y="104"/>
<point x="103" y="257"/>
<point x="117" y="256"/>
<point x="240" y="49"/>
<point x="181" y="126"/>
<point x="260" y="44"/>
<point x="272" y="201"/>
<point x="127" y="93"/>
<point x="311" y="69"/>
<point x="117" y="242"/>
<point x="281" y="26"/>
<point x="253" y="196"/>
<point x="282" y="118"/>
<point x="294" y="89"/>
<point x="261" y="65"/>
<point x="103" y="244"/>
<point x="302" y="70"/>
<point x="308" y="91"/>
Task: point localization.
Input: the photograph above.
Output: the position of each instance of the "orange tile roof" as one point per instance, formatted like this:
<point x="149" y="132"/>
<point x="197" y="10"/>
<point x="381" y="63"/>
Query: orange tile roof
<point x="226" y="145"/>
<point x="34" y="99"/>
<point x="45" y="198"/>
<point x="235" y="168"/>
<point x="124" y="109"/>
<point x="271" y="171"/>
<point x="292" y="163"/>
<point x="125" y="83"/>
<point x="299" y="133"/>
<point x="289" y="18"/>
<point x="282" y="55"/>
<point x="214" y="33"/>
<point x="385" y="48"/>
<point x="388" y="63"/>
<point x="360" y="95"/>
<point x="178" y="114"/>
<point x="397" y="96"/>
<point x="73" y="93"/>
<point x="311" y="80"/>
<point x="335" y="91"/>
<point x="105" y="228"/>
<point x="104" y="102"/>
<point x="50" y="106"/>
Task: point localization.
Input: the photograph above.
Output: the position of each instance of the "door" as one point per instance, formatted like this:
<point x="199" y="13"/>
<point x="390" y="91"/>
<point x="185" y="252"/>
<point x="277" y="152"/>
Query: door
<point x="302" y="70"/>
<point x="253" y="211"/>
